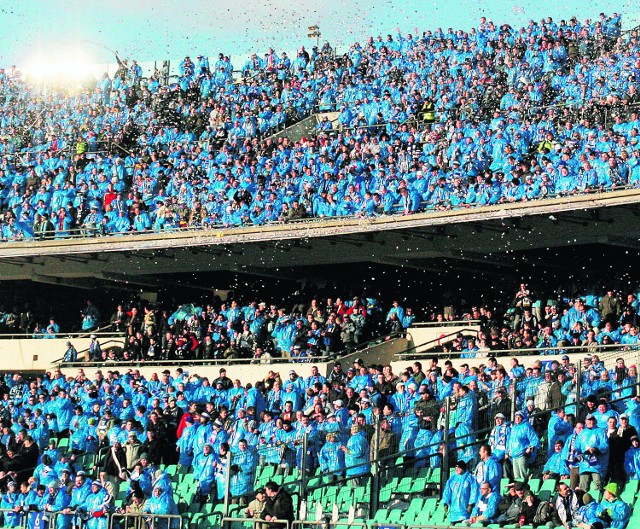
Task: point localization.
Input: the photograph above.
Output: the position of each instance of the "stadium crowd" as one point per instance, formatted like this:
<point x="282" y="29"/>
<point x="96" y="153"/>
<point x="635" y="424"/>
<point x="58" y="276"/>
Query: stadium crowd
<point x="255" y="330"/>
<point x="317" y="327"/>
<point x="538" y="429"/>
<point x="432" y="121"/>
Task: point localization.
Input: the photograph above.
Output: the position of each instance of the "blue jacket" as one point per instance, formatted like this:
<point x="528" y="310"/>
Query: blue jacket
<point x="97" y="506"/>
<point x="241" y="481"/>
<point x="618" y="510"/>
<point x="487" y="506"/>
<point x="556" y="464"/>
<point x="632" y="463"/>
<point x="331" y="458"/>
<point x="499" y="440"/>
<point x="557" y="429"/>
<point x="56" y="503"/>
<point x="203" y="471"/>
<point x="490" y="471"/>
<point x="522" y="437"/>
<point x="357" y="455"/>
<point x="162" y="504"/>
<point x="593" y="438"/>
<point x="460" y="492"/>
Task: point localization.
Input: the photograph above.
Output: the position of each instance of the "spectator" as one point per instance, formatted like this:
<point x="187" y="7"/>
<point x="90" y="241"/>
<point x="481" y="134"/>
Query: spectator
<point x="592" y="448"/>
<point x="485" y="510"/>
<point x="278" y="506"/>
<point x="522" y="446"/>
<point x="460" y="494"/>
<point x="567" y="505"/>
<point x="612" y="511"/>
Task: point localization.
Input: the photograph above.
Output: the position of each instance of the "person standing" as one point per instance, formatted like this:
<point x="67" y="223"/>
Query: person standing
<point x="593" y="448"/>
<point x="522" y="446"/>
<point x="460" y="494"/>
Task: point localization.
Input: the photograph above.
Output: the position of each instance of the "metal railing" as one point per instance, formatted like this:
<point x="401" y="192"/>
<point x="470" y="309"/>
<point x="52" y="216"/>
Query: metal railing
<point x="227" y="521"/>
<point x="444" y="323"/>
<point x="142" y="520"/>
<point x="313" y="221"/>
<point x="22" y="516"/>
<point x="358" y="348"/>
<point x="467" y="331"/>
<point x="58" y="335"/>
<point x="529" y="351"/>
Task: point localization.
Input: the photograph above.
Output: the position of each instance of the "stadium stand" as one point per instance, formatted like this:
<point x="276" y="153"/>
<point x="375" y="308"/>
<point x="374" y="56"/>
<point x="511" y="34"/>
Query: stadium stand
<point x="431" y="122"/>
<point x="322" y="326"/>
<point x="375" y="446"/>
<point x="436" y="121"/>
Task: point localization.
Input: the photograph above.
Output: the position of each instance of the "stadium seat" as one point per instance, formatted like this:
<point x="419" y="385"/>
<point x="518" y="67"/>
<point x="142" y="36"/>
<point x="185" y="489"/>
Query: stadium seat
<point x="404" y="487"/>
<point x="418" y="486"/>
<point x="394" y="516"/>
<point x="380" y="516"/>
<point x="534" y="485"/>
<point x="630" y="490"/>
<point x="547" y="489"/>
<point x="438" y="517"/>
<point x="430" y="505"/>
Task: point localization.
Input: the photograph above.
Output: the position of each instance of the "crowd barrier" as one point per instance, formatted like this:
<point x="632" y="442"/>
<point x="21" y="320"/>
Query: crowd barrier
<point x="253" y="523"/>
<point x="144" y="520"/>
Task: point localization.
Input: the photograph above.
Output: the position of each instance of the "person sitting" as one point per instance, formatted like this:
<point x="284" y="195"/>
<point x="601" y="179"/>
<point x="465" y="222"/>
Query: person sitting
<point x="567" y="504"/>
<point x="612" y="511"/>
<point x="556" y="465"/>
<point x="485" y="510"/>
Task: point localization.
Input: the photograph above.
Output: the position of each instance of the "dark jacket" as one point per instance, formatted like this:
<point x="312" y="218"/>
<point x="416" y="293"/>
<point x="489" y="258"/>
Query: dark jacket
<point x="280" y="506"/>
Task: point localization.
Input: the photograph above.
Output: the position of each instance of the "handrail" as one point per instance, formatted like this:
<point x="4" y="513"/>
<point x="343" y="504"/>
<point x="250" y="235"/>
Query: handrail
<point x="443" y="337"/>
<point x="224" y="361"/>
<point x="58" y="335"/>
<point x="228" y="519"/>
<point x="329" y="523"/>
<point x="529" y="351"/>
<point x="153" y="519"/>
<point x="22" y="515"/>
<point x="80" y="233"/>
<point x="446" y="323"/>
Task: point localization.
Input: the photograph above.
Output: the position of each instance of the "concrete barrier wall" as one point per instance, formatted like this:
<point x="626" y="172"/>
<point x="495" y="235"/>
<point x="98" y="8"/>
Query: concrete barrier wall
<point x="420" y="335"/>
<point x="244" y="372"/>
<point x="35" y="355"/>
<point x="42" y="355"/>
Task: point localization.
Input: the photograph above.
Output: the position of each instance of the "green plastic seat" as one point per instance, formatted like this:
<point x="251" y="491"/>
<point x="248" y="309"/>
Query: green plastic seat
<point x="416" y="505"/>
<point x="394" y="516"/>
<point x="430" y="505"/>
<point x="385" y="495"/>
<point x="547" y="489"/>
<point x="630" y="490"/>
<point x="408" y="518"/>
<point x="418" y="485"/>
<point x="380" y="516"/>
<point x="438" y="517"/>
<point x="434" y="477"/>
<point x="534" y="485"/>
